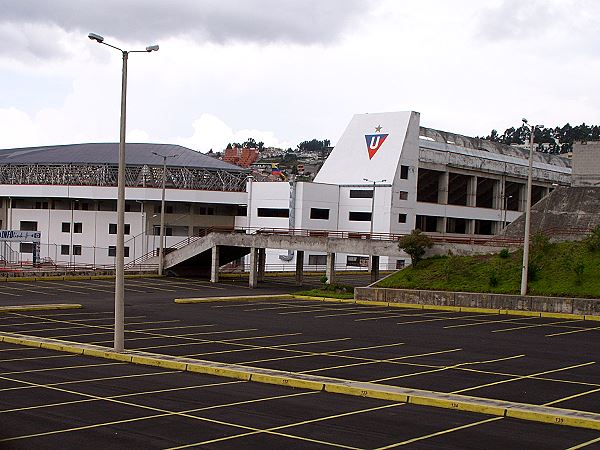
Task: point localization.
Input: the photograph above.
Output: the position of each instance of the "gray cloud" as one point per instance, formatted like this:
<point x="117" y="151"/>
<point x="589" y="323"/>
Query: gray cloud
<point x="146" y="21"/>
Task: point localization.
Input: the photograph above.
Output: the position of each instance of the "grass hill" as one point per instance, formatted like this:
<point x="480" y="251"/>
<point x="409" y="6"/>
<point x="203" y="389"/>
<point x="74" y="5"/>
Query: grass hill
<point x="555" y="269"/>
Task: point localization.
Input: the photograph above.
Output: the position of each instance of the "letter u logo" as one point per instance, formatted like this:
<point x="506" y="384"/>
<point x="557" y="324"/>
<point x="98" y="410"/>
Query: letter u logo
<point x="374" y="145"/>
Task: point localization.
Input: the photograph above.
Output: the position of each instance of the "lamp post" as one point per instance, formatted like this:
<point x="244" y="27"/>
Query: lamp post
<point x="161" y="245"/>
<point x="119" y="336"/>
<point x="373" y="203"/>
<point x="525" y="267"/>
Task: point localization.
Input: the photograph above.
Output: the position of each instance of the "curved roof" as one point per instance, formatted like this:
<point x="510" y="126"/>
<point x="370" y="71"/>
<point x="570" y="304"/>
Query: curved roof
<point x="108" y="153"/>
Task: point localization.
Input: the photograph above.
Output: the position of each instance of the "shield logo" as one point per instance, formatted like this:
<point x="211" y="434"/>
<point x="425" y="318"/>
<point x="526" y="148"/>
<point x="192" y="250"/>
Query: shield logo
<point x="374" y="143"/>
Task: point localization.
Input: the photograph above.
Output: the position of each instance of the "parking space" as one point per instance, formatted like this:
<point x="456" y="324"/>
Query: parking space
<point x="46" y="402"/>
<point x="528" y="360"/>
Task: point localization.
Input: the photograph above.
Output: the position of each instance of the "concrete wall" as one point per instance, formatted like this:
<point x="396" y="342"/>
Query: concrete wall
<point x="586" y="164"/>
<point x="566" y="305"/>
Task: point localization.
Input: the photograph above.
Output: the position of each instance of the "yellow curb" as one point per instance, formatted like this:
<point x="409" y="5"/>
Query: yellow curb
<point x="241" y="298"/>
<point x="18" y="308"/>
<point x="500" y="408"/>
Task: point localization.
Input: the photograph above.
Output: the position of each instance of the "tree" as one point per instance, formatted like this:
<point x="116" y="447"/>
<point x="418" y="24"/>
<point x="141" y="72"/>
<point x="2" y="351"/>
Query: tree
<point x="415" y="244"/>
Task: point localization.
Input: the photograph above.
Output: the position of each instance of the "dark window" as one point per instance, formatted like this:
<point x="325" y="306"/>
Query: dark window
<point x="64" y="249"/>
<point x="77" y="249"/>
<point x="361" y="193"/>
<point x="168" y="209"/>
<point x="356" y="216"/>
<point x="403" y="195"/>
<point x="317" y="260"/>
<point x="41" y="205"/>
<point x="241" y="211"/>
<point x="401" y="218"/>
<point x="273" y="212"/>
<point x="26" y="247"/>
<point x="126" y="252"/>
<point x="112" y="228"/>
<point x="357" y="261"/>
<point x="77" y="227"/>
<point x="404" y="172"/>
<point x="27" y="225"/>
<point x="210" y="211"/>
<point x="400" y="263"/>
<point x="112" y="250"/>
<point x="66" y="227"/>
<point x="85" y="206"/>
<point x="318" y="213"/>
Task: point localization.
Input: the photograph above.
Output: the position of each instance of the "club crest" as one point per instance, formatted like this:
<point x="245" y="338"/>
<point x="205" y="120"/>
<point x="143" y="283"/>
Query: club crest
<point x="375" y="141"/>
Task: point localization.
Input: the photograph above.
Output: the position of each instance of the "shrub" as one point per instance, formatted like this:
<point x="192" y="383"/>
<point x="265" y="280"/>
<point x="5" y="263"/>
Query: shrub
<point x="415" y="244"/>
<point x="593" y="240"/>
<point x="504" y="253"/>
<point x="493" y="281"/>
<point x="323" y="280"/>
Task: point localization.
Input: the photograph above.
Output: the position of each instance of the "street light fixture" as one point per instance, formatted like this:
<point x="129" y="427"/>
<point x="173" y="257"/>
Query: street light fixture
<point x="373" y="203"/>
<point x="524" y="268"/>
<point x="161" y="245"/>
<point x="119" y="337"/>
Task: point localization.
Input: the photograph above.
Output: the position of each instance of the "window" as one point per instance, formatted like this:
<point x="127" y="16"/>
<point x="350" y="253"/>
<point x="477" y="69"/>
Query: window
<point x="77" y="227"/>
<point x="85" y="206"/>
<point x="168" y="231"/>
<point x="27" y="225"/>
<point x="26" y="247"/>
<point x="357" y="261"/>
<point x="401" y="218"/>
<point x="112" y="228"/>
<point x="126" y="252"/>
<point x="317" y="260"/>
<point x="404" y="172"/>
<point x="64" y="249"/>
<point x="273" y="212"/>
<point x="77" y="249"/>
<point x="403" y="195"/>
<point x="41" y="205"/>
<point x="112" y="250"/>
<point x="66" y="227"/>
<point x="210" y="211"/>
<point x="168" y="209"/>
<point x="400" y="264"/>
<point x="242" y="210"/>
<point x="361" y="193"/>
<point x="318" y="213"/>
<point x="356" y="216"/>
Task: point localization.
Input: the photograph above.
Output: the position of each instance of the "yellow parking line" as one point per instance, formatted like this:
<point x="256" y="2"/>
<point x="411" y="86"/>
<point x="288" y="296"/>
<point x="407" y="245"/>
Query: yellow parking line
<point x="94" y="326"/>
<point x="523" y="377"/>
<point x="242" y="330"/>
<point x="27" y="290"/>
<point x="87" y="320"/>
<point x="583" y="330"/>
<point x="86" y="286"/>
<point x="53" y="286"/>
<point x="8" y="293"/>
<point x="321" y="309"/>
<point x="485" y="322"/>
<point x="393" y="315"/>
<point x="549" y="324"/>
<point x="150" y="286"/>
<point x="469" y="317"/>
<point x="585" y="444"/>
<point x="50" y="369"/>
<point x="186" y="285"/>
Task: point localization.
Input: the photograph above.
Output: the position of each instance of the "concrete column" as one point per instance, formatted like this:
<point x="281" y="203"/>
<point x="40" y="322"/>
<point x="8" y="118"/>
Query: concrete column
<point x="262" y="259"/>
<point x="443" y="188"/>
<point x="253" y="276"/>
<point x="374" y="268"/>
<point x="472" y="191"/>
<point x="299" y="267"/>
<point x="522" y="197"/>
<point x="214" y="265"/>
<point x="497" y="192"/>
<point x="330" y="269"/>
<point x="470" y="226"/>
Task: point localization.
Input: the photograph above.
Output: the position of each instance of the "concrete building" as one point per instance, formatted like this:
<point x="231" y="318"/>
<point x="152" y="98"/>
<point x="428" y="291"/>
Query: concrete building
<point x="389" y="175"/>
<point x="386" y="176"/>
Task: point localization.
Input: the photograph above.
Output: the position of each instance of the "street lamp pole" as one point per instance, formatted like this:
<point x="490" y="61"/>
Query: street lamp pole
<point x="524" y="268"/>
<point x="119" y="333"/>
<point x="161" y="244"/>
<point x="373" y="203"/>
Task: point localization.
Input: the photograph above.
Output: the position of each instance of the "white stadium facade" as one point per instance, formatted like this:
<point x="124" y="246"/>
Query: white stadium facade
<point x="386" y="175"/>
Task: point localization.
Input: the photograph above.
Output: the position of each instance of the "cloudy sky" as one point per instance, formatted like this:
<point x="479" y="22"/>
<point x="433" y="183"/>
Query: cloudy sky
<point x="283" y="71"/>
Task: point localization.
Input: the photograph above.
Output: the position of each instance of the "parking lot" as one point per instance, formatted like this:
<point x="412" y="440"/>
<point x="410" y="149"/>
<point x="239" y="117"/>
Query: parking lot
<point x="49" y="397"/>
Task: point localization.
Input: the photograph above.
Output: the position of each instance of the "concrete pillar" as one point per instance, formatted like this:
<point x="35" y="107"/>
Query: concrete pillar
<point x="497" y="193"/>
<point x="472" y="191"/>
<point x="299" y="267"/>
<point x="253" y="276"/>
<point x="330" y="269"/>
<point x="470" y="226"/>
<point x="262" y="259"/>
<point x="374" y="268"/>
<point x="522" y="197"/>
<point x="214" y="265"/>
<point x="443" y="182"/>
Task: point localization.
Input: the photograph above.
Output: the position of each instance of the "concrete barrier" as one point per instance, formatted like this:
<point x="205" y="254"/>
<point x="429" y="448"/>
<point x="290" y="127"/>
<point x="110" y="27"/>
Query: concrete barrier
<point x="559" y="305"/>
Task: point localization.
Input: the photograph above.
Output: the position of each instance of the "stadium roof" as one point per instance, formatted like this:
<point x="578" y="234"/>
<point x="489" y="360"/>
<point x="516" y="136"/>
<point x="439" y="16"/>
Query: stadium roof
<point x="108" y="153"/>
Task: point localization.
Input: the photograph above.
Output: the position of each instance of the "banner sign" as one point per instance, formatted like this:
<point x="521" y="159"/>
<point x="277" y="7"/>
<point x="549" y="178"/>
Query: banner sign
<point x="20" y="236"/>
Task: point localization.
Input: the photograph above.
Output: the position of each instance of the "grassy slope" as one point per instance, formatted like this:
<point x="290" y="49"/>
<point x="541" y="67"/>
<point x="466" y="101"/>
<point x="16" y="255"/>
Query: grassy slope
<point x="556" y="276"/>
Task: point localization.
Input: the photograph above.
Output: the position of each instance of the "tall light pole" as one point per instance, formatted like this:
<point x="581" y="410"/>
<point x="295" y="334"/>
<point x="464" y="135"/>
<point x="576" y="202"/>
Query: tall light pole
<point x="119" y="337"/>
<point x="525" y="267"/>
<point x="373" y="203"/>
<point x="161" y="244"/>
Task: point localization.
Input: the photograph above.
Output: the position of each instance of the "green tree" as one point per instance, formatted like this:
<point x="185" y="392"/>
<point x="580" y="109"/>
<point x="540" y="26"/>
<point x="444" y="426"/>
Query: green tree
<point x="415" y="244"/>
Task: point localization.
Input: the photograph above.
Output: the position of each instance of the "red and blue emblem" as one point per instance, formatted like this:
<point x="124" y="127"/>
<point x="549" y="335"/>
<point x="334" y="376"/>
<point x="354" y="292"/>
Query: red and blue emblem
<point x="375" y="141"/>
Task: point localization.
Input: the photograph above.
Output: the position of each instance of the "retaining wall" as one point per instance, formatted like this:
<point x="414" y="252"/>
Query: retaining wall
<point x="568" y="305"/>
